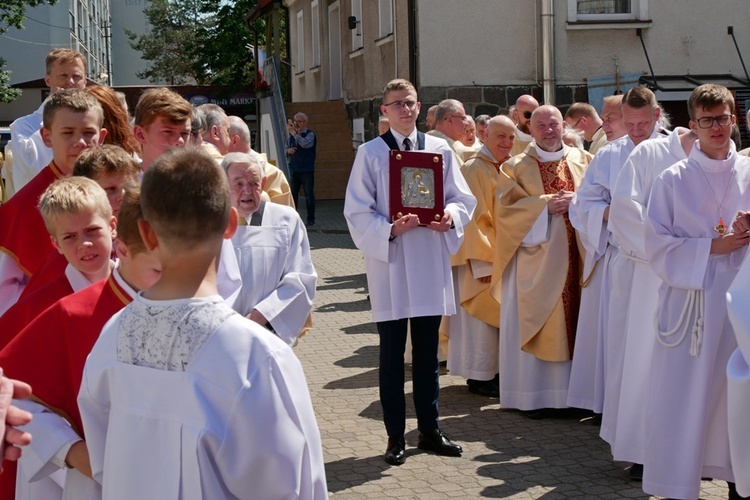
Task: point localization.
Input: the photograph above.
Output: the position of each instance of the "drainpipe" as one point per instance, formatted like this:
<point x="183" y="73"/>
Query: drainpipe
<point x="413" y="52"/>
<point x="548" y="50"/>
<point x="395" y="40"/>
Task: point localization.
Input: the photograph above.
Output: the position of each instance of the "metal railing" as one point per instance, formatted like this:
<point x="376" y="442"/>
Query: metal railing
<point x="271" y="73"/>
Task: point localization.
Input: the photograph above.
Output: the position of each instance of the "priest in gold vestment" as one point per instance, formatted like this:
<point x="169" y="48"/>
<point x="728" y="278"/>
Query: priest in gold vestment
<point x="473" y="329"/>
<point x="537" y="267"/>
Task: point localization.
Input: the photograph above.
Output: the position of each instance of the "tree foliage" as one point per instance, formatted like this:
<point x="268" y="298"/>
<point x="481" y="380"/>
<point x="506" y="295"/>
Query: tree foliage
<point x="201" y="41"/>
<point x="7" y="94"/>
<point x="13" y="12"/>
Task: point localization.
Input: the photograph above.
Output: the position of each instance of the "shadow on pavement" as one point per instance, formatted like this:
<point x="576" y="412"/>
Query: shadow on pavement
<point x="364" y="357"/>
<point x="354" y="472"/>
<point x="343" y="282"/>
<point x="358" y="306"/>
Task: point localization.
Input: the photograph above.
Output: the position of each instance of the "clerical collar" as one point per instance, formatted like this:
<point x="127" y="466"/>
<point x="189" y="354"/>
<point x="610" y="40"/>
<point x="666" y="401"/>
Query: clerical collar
<point x="522" y="136"/>
<point x="710" y="164"/>
<point x="546" y="156"/>
<point x="486" y="151"/>
<point x="400" y="138"/>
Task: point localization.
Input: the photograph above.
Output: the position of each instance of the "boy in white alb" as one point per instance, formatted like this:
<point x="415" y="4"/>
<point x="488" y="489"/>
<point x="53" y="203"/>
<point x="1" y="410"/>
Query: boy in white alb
<point x="181" y="384"/>
<point x="690" y="246"/>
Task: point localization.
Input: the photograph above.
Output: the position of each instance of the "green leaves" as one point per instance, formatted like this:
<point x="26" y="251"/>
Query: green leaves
<point x="13" y="12"/>
<point x="201" y="41"/>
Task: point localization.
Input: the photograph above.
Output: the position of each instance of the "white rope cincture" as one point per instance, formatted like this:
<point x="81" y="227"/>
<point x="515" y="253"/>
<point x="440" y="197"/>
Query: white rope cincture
<point x="695" y="305"/>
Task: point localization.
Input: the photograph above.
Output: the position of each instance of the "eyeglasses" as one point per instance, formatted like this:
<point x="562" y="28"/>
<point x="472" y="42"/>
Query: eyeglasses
<point x="460" y="117"/>
<point x="708" y="121"/>
<point x="402" y="104"/>
<point x="575" y="125"/>
<point x="527" y="115"/>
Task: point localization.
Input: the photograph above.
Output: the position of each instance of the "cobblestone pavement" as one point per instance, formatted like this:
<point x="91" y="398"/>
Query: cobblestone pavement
<point x="505" y="454"/>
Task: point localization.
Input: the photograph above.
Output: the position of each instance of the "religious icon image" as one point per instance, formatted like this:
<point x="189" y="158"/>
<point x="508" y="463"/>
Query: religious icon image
<point x="417" y="187"/>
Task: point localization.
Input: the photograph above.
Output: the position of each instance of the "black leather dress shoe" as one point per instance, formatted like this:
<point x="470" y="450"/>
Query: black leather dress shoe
<point x="437" y="442"/>
<point x="395" y="454"/>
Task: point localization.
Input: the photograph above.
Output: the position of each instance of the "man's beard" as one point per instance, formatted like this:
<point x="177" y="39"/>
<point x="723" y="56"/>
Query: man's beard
<point x="523" y="127"/>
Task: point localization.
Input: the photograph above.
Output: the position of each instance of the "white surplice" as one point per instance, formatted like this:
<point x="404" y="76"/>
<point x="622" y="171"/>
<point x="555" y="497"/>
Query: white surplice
<point x="686" y="426"/>
<point x="472" y="350"/>
<point x="30" y="154"/>
<point x="591" y="199"/>
<point x="618" y="276"/>
<point x="738" y="376"/>
<point x="409" y="276"/>
<point x="235" y="422"/>
<point x="627" y="418"/>
<point x="277" y="270"/>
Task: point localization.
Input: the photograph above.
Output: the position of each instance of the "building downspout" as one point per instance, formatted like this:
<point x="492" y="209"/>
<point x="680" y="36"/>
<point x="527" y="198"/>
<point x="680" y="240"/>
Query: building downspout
<point x="413" y="54"/>
<point x="395" y="40"/>
<point x="547" y="21"/>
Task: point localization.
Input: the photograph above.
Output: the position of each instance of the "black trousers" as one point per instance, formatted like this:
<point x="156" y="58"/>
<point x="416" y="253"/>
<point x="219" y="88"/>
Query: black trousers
<point x="306" y="181"/>
<point x="425" y="373"/>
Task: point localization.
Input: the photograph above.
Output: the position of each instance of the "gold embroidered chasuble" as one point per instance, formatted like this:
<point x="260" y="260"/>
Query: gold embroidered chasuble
<point x="481" y="175"/>
<point x="547" y="281"/>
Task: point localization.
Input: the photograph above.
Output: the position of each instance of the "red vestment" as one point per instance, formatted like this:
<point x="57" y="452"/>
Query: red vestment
<point x="23" y="235"/>
<point x="51" y="351"/>
<point x="32" y="305"/>
<point x="53" y="268"/>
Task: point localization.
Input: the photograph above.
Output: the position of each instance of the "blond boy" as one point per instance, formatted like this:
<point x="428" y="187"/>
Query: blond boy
<point x="230" y="413"/>
<point x="81" y="227"/>
<point x="68" y="330"/>
<point x="72" y="123"/>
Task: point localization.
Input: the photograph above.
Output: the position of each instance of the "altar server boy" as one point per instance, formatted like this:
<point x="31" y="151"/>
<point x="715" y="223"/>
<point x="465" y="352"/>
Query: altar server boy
<point x="180" y="383"/>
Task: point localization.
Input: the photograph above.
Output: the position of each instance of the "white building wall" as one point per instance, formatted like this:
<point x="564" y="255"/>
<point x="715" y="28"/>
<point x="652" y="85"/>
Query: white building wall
<point x="126" y="62"/>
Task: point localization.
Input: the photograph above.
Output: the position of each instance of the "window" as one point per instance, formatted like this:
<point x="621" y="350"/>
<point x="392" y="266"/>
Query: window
<point x="300" y="67"/>
<point x="315" y="33"/>
<point x="607" y="10"/>
<point x="385" y="17"/>
<point x="357" y="32"/>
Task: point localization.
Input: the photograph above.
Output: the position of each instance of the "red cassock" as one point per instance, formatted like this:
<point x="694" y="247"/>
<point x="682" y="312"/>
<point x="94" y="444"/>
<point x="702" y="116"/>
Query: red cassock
<point x="53" y="268"/>
<point x="32" y="305"/>
<point x="23" y="234"/>
<point x="51" y="351"/>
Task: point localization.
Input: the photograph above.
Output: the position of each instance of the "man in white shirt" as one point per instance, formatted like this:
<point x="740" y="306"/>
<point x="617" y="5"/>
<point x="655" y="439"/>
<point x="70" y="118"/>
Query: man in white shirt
<point x="66" y="68"/>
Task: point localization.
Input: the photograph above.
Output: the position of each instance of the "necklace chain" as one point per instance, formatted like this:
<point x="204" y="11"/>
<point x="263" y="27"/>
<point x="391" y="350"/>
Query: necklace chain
<point x="720" y="227"/>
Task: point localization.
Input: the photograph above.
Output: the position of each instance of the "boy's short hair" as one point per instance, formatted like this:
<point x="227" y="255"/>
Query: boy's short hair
<point x="71" y="196"/>
<point x="640" y="97"/>
<point x="63" y="56"/>
<point x="127" y="219"/>
<point x="708" y="96"/>
<point x="162" y="101"/>
<point x="105" y="160"/>
<point x="74" y="99"/>
<point x="185" y="197"/>
<point x="398" y="84"/>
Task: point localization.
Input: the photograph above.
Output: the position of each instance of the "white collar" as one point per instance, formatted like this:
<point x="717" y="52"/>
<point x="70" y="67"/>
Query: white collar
<point x="76" y="279"/>
<point x="400" y="138"/>
<point x="710" y="164"/>
<point x="546" y="156"/>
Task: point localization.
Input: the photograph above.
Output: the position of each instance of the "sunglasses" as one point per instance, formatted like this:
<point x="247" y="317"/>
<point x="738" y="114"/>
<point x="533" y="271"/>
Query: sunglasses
<point x="527" y="115"/>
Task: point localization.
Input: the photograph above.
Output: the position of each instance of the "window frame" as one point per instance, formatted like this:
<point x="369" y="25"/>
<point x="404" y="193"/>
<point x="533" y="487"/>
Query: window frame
<point x="639" y="12"/>
<point x="315" y="32"/>
<point x="300" y="28"/>
<point x="385" y="29"/>
<point x="357" y="33"/>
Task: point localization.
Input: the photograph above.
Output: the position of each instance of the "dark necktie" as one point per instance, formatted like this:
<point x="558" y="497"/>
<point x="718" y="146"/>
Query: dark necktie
<point x="407" y="144"/>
